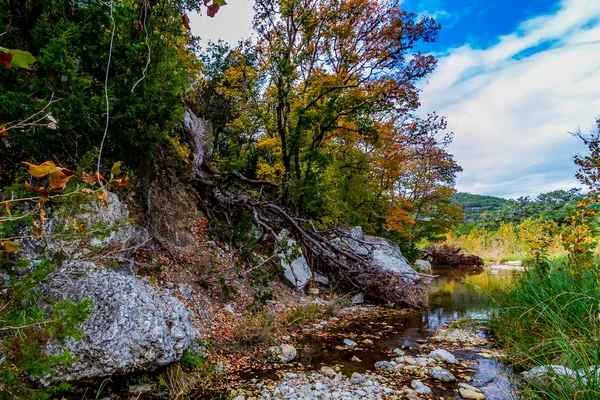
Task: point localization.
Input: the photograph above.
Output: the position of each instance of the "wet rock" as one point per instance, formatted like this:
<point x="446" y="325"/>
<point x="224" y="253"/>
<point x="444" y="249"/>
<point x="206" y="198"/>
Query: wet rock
<point x="133" y="326"/>
<point x="282" y="354"/>
<point x="385" y="365"/>
<point x="420" y="387"/>
<point x="544" y="372"/>
<point x="350" y="343"/>
<point x="295" y="266"/>
<point x="443" y="355"/>
<point x="441" y="374"/>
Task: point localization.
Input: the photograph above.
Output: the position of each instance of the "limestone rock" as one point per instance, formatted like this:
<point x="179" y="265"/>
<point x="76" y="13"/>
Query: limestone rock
<point x="385" y="365"/>
<point x="420" y="387"/>
<point x="133" y="326"/>
<point x="423" y="265"/>
<point x="441" y="374"/>
<point x="295" y="266"/>
<point x="544" y="372"/>
<point x="173" y="216"/>
<point x="358" y="298"/>
<point x="282" y="354"/>
<point x="82" y="228"/>
<point x="471" y="394"/>
<point x="385" y="253"/>
<point x="443" y="355"/>
<point x="321" y="279"/>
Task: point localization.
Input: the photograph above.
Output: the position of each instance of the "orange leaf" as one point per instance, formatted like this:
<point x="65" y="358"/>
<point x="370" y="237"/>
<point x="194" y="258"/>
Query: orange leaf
<point x="93" y="178"/>
<point x="7" y="205"/>
<point x="41" y="190"/>
<point x="9" y="247"/>
<point x="104" y="198"/>
<point x="58" y="180"/>
<point x="58" y="177"/>
<point x="3" y="131"/>
<point x="123" y="182"/>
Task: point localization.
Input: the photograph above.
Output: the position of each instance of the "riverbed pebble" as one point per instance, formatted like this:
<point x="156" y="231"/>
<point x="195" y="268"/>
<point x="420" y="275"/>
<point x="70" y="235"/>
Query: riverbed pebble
<point x="318" y="386"/>
<point x="420" y="387"/>
<point x="441" y="374"/>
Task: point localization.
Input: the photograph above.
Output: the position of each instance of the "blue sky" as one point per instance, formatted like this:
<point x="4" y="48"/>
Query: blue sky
<point x="513" y="78"/>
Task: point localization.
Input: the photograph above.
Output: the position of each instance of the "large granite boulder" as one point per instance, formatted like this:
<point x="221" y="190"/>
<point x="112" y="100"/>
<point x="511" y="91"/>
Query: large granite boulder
<point x="383" y="252"/>
<point x="133" y="325"/>
<point x="295" y="266"/>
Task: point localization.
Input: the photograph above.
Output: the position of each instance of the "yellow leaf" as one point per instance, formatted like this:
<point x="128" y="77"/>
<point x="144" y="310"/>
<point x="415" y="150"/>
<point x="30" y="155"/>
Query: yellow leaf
<point x="42" y="170"/>
<point x="9" y="247"/>
<point x="116" y="168"/>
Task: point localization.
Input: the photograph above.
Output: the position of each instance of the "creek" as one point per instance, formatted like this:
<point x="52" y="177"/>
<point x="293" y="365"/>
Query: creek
<point x="453" y="295"/>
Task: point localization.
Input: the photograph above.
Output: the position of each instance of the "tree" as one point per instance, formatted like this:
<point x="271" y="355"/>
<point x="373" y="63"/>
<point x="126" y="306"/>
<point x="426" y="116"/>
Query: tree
<point x="333" y="71"/>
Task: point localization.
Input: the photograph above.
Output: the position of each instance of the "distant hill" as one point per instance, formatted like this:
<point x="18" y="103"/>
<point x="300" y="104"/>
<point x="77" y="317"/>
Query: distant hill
<point x="475" y="205"/>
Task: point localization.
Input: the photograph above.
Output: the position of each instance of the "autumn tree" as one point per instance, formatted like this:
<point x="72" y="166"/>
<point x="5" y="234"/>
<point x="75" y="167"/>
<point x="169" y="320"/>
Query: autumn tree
<point x="331" y="71"/>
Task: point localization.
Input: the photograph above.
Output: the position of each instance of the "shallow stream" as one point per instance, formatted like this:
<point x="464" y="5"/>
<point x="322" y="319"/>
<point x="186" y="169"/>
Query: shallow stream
<point x="454" y="294"/>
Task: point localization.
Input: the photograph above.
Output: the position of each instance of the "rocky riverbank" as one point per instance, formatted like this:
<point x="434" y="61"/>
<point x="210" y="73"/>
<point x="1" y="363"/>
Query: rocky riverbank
<point x="443" y="365"/>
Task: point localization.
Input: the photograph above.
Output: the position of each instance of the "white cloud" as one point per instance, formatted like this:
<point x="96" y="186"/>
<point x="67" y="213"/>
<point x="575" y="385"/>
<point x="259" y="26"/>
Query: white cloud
<point x="510" y="113"/>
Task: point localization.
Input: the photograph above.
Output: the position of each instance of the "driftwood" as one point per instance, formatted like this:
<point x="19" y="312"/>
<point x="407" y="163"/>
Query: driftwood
<point x="448" y="256"/>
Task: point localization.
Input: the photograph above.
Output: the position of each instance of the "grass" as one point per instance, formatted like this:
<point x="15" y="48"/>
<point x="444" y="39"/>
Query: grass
<point x="553" y="320"/>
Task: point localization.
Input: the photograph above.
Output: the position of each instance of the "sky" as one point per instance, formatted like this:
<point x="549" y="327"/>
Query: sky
<point x="514" y="77"/>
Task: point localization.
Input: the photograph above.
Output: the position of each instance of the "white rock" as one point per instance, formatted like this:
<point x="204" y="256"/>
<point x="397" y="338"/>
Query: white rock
<point x="398" y="352"/>
<point x="350" y="343"/>
<point x="441" y="374"/>
<point x="386" y="365"/>
<point x="423" y="265"/>
<point x="420" y="387"/>
<point x="543" y="372"/>
<point x="295" y="266"/>
<point x="282" y="354"/>
<point x="443" y="355"/>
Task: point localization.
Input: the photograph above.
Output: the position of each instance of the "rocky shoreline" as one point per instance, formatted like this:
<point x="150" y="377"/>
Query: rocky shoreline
<point x="432" y="369"/>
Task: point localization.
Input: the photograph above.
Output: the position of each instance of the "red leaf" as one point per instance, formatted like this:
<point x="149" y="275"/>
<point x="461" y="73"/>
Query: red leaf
<point x="185" y="21"/>
<point x="212" y="10"/>
<point x="5" y="59"/>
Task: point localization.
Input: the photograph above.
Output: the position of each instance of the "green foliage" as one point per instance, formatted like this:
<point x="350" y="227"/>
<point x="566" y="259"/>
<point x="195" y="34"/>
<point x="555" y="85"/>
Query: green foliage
<point x="70" y="41"/>
<point x="475" y="206"/>
<point x="28" y="320"/>
<point x="553" y="320"/>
